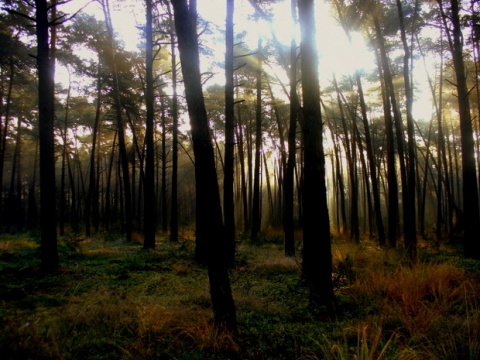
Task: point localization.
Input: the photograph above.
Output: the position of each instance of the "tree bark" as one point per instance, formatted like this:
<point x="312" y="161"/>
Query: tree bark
<point x="288" y="180"/>
<point x="410" y="228"/>
<point x="149" y="202"/>
<point x="127" y="219"/>
<point x="228" y="193"/>
<point x="317" y="253"/>
<point x="469" y="174"/>
<point x="372" y="164"/>
<point x="209" y="224"/>
<point x="48" y="214"/>
<point x="256" y="205"/>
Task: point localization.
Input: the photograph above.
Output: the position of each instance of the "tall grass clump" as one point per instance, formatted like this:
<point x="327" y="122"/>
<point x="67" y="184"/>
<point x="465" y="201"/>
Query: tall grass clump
<point x="429" y="307"/>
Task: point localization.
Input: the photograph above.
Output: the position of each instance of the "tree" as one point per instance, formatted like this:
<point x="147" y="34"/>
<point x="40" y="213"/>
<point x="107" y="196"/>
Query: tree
<point x="174" y="189"/>
<point x="470" y="187"/>
<point x="120" y="123"/>
<point x="410" y="226"/>
<point x="256" y="205"/>
<point x="317" y="253"/>
<point x="288" y="182"/>
<point x="210" y="230"/>
<point x="228" y="196"/>
<point x="149" y="187"/>
<point x="48" y="210"/>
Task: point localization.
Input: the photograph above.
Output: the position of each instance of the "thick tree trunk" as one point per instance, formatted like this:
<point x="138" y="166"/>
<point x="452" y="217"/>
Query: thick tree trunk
<point x="470" y="189"/>
<point x="209" y="224"/>
<point x="317" y="253"/>
<point x="48" y="214"/>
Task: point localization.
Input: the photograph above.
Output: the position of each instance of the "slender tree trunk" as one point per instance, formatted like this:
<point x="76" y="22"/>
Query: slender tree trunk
<point x="174" y="185"/>
<point x="269" y="190"/>
<point x="4" y="128"/>
<point x="228" y="196"/>
<point x="288" y="182"/>
<point x="391" y="168"/>
<point x="108" y="200"/>
<point x="91" y="183"/>
<point x="149" y="185"/>
<point x="241" y="156"/>
<point x="256" y="206"/>
<point x="164" y="170"/>
<point x="410" y="228"/>
<point x="62" y="205"/>
<point x="15" y="211"/>
<point x="339" y="184"/>
<point x="121" y="126"/>
<point x="32" y="211"/>
<point x="354" y="225"/>
<point x="372" y="164"/>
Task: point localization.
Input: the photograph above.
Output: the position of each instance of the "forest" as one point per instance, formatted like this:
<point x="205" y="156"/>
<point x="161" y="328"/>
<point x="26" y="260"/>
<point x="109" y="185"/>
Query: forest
<point x="239" y="179"/>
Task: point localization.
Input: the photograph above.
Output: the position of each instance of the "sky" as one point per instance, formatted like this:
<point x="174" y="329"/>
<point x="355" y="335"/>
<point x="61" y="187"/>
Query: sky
<point x="336" y="54"/>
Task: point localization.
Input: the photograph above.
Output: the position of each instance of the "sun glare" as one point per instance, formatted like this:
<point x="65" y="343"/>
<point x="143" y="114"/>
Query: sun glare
<point x="336" y="54"/>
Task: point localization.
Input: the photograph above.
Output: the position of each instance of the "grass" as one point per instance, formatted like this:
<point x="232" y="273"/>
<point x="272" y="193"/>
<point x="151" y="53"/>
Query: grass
<point x="112" y="300"/>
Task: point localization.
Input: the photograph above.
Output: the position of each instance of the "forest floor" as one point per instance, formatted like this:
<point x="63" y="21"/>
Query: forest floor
<point x="113" y="300"/>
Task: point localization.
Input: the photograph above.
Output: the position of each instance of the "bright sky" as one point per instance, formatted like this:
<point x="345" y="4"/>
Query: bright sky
<point x="336" y="53"/>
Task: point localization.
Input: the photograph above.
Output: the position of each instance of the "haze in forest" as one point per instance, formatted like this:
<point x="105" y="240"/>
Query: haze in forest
<point x="151" y="145"/>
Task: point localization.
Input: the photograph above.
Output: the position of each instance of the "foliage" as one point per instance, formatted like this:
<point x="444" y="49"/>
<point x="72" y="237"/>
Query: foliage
<point x="112" y="300"/>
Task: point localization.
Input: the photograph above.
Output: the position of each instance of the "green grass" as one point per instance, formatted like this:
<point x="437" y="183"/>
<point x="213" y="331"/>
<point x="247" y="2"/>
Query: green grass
<point x="112" y="300"/>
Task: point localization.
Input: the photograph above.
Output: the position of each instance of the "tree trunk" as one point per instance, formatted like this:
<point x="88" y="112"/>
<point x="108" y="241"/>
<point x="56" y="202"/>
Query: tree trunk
<point x="174" y="185"/>
<point x="163" y="187"/>
<point x="354" y="225"/>
<point x="61" y="218"/>
<point x="149" y="185"/>
<point x="48" y="214"/>
<point x="372" y="164"/>
<point x="391" y="168"/>
<point x="241" y="157"/>
<point x="469" y="174"/>
<point x="4" y="129"/>
<point x="89" y="206"/>
<point x="209" y="224"/>
<point x="127" y="220"/>
<point x="317" y="253"/>
<point x="288" y="181"/>
<point x="228" y="196"/>
<point x="256" y="206"/>
<point x="410" y="228"/>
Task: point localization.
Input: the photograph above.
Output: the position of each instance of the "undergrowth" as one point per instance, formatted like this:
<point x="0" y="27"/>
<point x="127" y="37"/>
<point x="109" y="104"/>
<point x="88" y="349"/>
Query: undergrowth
<point x="113" y="300"/>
